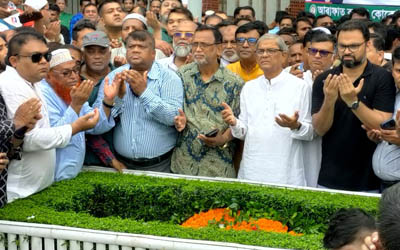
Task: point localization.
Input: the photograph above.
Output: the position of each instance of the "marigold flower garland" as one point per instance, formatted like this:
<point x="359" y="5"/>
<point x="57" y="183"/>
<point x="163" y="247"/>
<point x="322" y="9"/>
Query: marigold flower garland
<point x="221" y="217"/>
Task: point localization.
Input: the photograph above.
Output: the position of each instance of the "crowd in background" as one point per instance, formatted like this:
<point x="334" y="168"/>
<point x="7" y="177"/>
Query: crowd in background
<point x="303" y="101"/>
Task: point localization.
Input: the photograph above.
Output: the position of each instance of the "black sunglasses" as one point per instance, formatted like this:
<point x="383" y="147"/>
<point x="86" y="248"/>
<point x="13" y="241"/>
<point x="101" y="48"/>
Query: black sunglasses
<point x="37" y="57"/>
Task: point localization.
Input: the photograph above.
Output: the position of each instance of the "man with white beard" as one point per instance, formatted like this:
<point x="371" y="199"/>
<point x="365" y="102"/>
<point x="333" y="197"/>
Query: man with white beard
<point x="229" y="53"/>
<point x="182" y="40"/>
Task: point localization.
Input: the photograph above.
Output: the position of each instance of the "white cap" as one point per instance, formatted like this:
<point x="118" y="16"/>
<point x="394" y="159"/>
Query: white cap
<point x="209" y="12"/>
<point x="137" y="17"/>
<point x="60" y="56"/>
<point x="323" y="29"/>
<point x="36" y="4"/>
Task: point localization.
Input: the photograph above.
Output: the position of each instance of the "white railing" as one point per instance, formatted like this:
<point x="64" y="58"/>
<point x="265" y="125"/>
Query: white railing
<point x="30" y="236"/>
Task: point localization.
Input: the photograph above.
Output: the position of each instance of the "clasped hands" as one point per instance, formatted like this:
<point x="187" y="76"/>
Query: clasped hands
<point x="342" y="85"/>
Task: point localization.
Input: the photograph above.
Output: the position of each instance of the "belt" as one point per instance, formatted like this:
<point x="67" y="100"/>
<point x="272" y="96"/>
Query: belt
<point x="145" y="162"/>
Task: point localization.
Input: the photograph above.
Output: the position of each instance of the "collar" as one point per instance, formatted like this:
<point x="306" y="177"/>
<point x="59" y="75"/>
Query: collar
<point x="153" y="73"/>
<point x="276" y="79"/>
<point x="13" y="72"/>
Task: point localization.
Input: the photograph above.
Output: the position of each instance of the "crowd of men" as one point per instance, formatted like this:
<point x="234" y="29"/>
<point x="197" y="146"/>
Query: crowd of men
<point x="303" y="101"/>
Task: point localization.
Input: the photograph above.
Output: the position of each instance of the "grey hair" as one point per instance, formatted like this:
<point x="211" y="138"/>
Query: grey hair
<point x="282" y="45"/>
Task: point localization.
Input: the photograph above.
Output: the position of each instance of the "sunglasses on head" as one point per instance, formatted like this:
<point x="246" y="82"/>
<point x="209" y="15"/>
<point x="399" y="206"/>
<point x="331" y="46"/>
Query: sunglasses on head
<point x="37" y="57"/>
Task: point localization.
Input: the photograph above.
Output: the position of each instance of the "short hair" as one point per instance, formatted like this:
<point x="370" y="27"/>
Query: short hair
<point x="141" y="35"/>
<point x="88" y="5"/>
<point x="184" y="11"/>
<point x="81" y="2"/>
<point x="384" y="20"/>
<point x="378" y="28"/>
<point x="354" y="25"/>
<point x="236" y="21"/>
<point x="279" y="15"/>
<point x="214" y="30"/>
<point x="287" y="31"/>
<point x="301" y="19"/>
<point x="286" y="17"/>
<point x="101" y="5"/>
<point x="54" y="7"/>
<point x="262" y="27"/>
<point x="305" y="14"/>
<point x="224" y="23"/>
<point x="389" y="216"/>
<point x="281" y="44"/>
<point x="359" y="11"/>
<point x="238" y="9"/>
<point x="393" y="33"/>
<point x="318" y="36"/>
<point x="345" y="227"/>
<point x="378" y="42"/>
<point x="395" y="16"/>
<point x="20" y="39"/>
<point x="320" y="17"/>
<point x="80" y="25"/>
<point x="247" y="28"/>
<point x="23" y="29"/>
<point x="212" y="16"/>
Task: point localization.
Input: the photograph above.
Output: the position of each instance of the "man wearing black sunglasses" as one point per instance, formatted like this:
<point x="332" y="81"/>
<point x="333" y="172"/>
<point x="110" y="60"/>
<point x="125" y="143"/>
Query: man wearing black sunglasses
<point x="28" y="63"/>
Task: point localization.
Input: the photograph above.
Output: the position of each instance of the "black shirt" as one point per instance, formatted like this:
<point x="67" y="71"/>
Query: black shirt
<point x="346" y="150"/>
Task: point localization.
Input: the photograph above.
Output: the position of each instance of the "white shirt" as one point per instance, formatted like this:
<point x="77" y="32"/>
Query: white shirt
<point x="168" y="62"/>
<point x="272" y="153"/>
<point x="35" y="171"/>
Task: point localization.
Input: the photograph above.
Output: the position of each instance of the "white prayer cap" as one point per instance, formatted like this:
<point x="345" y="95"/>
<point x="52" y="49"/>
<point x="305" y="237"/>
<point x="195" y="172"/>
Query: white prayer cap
<point x="137" y="17"/>
<point x="323" y="29"/>
<point x="60" y="56"/>
<point x="36" y="4"/>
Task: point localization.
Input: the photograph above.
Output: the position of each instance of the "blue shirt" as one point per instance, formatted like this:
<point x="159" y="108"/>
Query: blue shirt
<point x="69" y="160"/>
<point x="78" y="16"/>
<point x="146" y="128"/>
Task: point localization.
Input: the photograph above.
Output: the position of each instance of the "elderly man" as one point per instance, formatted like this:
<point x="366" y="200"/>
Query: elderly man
<point x="207" y="86"/>
<point x="229" y="53"/>
<point x="96" y="54"/>
<point x="274" y="118"/>
<point x="145" y="137"/>
<point x="66" y="101"/>
<point x="28" y="50"/>
<point x="182" y="40"/>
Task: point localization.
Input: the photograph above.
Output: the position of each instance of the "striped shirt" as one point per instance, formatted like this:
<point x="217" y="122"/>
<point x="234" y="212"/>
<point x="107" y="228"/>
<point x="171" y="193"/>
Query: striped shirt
<point x="146" y="128"/>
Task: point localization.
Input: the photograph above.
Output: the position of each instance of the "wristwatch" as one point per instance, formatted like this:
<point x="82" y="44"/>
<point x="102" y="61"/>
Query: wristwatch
<point x="355" y="105"/>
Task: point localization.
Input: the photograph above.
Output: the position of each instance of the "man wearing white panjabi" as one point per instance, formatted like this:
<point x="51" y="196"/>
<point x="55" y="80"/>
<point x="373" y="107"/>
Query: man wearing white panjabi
<point x="274" y="118"/>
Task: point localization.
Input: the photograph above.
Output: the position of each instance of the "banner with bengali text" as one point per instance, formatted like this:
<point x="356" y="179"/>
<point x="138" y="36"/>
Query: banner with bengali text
<point x="358" y="2"/>
<point x="336" y="11"/>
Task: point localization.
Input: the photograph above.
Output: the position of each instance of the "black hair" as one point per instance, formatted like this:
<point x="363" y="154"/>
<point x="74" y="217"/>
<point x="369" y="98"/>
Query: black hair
<point x="141" y="35"/>
<point x="80" y="25"/>
<point x="224" y="23"/>
<point x="24" y="29"/>
<point x="345" y="227"/>
<point x="101" y="5"/>
<point x="384" y="20"/>
<point x="355" y="25"/>
<point x="238" y="9"/>
<point x="54" y="7"/>
<point x="214" y="30"/>
<point x="245" y="28"/>
<point x="395" y="16"/>
<point x="53" y="46"/>
<point x="393" y="33"/>
<point x="286" y="31"/>
<point x="240" y="19"/>
<point x="305" y="14"/>
<point x="320" y="17"/>
<point x="262" y="28"/>
<point x="81" y="2"/>
<point x="301" y="19"/>
<point x="212" y="16"/>
<point x="389" y="212"/>
<point x="183" y="11"/>
<point x="70" y="46"/>
<point x="378" y="42"/>
<point x="378" y="28"/>
<point x="318" y="36"/>
<point x="88" y="5"/>
<point x="279" y="15"/>
<point x="360" y="11"/>
<point x="342" y="19"/>
<point x="286" y="17"/>
<point x="20" y="39"/>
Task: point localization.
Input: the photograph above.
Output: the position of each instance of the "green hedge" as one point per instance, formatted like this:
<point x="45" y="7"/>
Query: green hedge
<point x="156" y="206"/>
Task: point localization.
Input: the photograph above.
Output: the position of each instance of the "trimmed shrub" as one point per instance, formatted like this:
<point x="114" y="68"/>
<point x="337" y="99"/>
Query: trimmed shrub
<point x="156" y="206"/>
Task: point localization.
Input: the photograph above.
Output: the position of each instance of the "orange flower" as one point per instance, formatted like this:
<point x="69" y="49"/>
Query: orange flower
<point x="221" y="217"/>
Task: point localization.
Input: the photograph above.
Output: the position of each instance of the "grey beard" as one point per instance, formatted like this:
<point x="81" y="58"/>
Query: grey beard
<point x="182" y="51"/>
<point x="231" y="59"/>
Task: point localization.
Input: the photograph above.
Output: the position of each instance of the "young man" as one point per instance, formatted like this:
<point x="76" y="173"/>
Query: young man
<point x="111" y="16"/>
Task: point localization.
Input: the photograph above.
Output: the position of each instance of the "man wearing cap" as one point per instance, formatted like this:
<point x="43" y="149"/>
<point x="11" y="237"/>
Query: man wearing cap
<point x="96" y="55"/>
<point x="132" y="22"/>
<point x="66" y="101"/>
<point x="145" y="137"/>
<point x="182" y="40"/>
<point x="35" y="171"/>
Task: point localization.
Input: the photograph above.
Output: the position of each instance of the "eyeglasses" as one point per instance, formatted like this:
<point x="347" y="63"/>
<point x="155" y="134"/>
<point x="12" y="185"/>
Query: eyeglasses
<point x="68" y="72"/>
<point x="250" y="40"/>
<point x="37" y="57"/>
<point x="270" y="52"/>
<point x="183" y="34"/>
<point x="323" y="53"/>
<point x="202" y="45"/>
<point x="351" y="47"/>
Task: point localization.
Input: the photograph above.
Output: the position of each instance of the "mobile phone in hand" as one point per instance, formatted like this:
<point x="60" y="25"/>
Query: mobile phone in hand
<point x="212" y="133"/>
<point x="388" y="125"/>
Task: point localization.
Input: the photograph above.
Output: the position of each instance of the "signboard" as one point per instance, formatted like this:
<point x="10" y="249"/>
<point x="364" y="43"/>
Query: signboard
<point x="359" y="2"/>
<point x="336" y="11"/>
